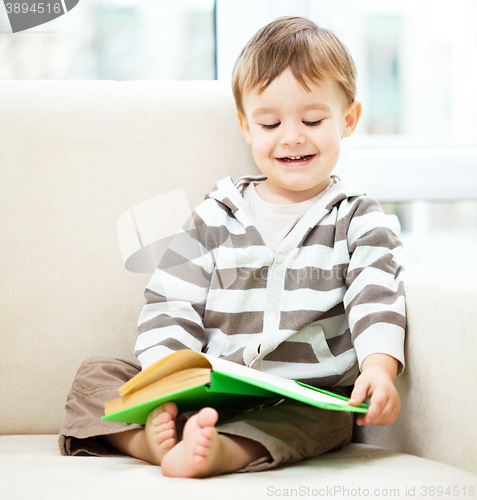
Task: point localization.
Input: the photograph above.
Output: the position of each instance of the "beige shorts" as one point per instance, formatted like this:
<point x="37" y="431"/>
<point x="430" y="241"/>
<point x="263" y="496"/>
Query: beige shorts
<point x="290" y="431"/>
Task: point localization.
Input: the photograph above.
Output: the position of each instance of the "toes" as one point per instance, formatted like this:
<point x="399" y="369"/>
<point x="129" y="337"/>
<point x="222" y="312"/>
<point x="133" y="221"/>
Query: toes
<point x="163" y="417"/>
<point x="155" y="413"/>
<point x="208" y="433"/>
<point x="207" y="417"/>
<point x="163" y="413"/>
<point x="167" y="443"/>
<point x="171" y="409"/>
<point x="203" y="443"/>
<point x="165" y="434"/>
<point x="199" y="458"/>
<point x="158" y="428"/>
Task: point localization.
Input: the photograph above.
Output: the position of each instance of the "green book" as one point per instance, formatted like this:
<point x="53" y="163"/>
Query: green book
<point x="194" y="380"/>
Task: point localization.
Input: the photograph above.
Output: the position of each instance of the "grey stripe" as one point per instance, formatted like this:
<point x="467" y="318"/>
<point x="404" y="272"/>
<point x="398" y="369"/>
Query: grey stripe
<point x="241" y="278"/>
<point x="235" y="323"/>
<point x="210" y="235"/>
<point x="322" y="381"/>
<point x="321" y="235"/>
<point x="311" y="278"/>
<point x="171" y="343"/>
<point x="163" y="321"/>
<point x="342" y="230"/>
<point x="172" y="259"/>
<point x="378" y="317"/>
<point x="315" y="278"/>
<point x="199" y="309"/>
<point x="335" y="201"/>
<point x="299" y="352"/>
<point x="385" y="263"/>
<point x="342" y="343"/>
<point x="296" y="320"/>
<point x="183" y="269"/>
<point x="155" y="298"/>
<point x="377" y="237"/>
<point x="376" y="294"/>
<point x="228" y="202"/>
<point x="337" y="310"/>
<point x="236" y="356"/>
<point x="251" y="237"/>
<point x="363" y="205"/>
<point x="394" y="271"/>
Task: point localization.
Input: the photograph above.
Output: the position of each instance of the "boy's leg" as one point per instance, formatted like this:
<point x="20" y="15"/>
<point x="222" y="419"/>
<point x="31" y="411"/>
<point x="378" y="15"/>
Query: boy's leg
<point x="203" y="452"/>
<point x="290" y="432"/>
<point x="260" y="439"/>
<point x="151" y="442"/>
<point x="256" y="440"/>
<point x="84" y="433"/>
<point x="96" y="382"/>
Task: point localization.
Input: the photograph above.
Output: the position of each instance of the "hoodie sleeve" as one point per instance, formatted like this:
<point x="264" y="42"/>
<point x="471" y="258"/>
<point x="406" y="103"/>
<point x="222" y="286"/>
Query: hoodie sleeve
<point x="172" y="317"/>
<point x="374" y="300"/>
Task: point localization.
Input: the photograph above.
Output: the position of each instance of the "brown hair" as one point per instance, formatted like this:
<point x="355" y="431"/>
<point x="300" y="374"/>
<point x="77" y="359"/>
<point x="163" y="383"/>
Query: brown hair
<point x="313" y="54"/>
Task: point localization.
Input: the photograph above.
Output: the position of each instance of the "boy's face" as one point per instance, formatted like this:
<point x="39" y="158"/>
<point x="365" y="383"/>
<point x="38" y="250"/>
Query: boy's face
<point x="284" y="122"/>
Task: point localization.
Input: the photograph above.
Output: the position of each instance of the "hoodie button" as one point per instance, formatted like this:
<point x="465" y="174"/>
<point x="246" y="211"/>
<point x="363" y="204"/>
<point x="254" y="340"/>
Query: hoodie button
<point x="272" y="318"/>
<point x="280" y="258"/>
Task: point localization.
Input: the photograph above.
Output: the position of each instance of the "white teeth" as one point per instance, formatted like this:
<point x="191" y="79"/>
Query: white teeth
<point x="295" y="158"/>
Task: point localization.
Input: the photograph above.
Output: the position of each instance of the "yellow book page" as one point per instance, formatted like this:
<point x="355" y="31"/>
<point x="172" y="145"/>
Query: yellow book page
<point x="174" y="362"/>
<point x="176" y="382"/>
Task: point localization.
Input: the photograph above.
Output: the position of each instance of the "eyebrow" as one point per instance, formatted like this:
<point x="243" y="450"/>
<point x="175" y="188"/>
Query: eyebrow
<point x="317" y="105"/>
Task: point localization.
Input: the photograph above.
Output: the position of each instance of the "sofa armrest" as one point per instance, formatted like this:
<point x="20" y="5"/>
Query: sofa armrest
<point x="437" y="388"/>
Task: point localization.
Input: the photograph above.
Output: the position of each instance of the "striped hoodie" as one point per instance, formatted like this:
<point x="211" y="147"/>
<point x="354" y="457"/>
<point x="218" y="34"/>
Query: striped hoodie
<point x="310" y="309"/>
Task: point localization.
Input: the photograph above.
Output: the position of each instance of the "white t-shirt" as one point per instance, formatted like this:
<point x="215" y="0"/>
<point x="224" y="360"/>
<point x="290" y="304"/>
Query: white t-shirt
<point x="277" y="220"/>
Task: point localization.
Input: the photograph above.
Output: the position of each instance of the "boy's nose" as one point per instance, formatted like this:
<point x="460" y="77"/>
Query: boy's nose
<point x="292" y="136"/>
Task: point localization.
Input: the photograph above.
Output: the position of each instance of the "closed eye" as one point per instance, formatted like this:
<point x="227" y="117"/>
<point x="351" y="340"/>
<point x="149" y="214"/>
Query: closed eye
<point x="270" y="127"/>
<point x="275" y="125"/>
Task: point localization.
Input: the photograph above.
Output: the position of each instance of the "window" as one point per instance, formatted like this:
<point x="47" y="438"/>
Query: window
<point x="115" y="40"/>
<point x="415" y="148"/>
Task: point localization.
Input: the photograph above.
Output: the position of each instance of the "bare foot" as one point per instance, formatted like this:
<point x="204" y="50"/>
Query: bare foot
<point x="203" y="452"/>
<point x="160" y="431"/>
<point x="198" y="452"/>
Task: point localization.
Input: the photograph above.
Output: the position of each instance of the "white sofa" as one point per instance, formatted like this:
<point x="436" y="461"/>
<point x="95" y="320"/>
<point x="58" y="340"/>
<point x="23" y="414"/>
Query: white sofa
<point x="75" y="156"/>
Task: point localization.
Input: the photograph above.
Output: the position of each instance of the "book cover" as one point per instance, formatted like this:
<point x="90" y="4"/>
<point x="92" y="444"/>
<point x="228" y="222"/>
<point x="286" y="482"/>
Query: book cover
<point x="210" y="381"/>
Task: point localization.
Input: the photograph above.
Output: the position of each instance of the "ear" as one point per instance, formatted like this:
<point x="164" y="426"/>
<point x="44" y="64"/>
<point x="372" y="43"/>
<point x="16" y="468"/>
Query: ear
<point x="353" y="114"/>
<point x="243" y="122"/>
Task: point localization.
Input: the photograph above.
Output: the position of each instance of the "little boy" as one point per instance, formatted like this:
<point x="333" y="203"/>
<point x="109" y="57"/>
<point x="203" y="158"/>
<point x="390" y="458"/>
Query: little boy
<point x="296" y="277"/>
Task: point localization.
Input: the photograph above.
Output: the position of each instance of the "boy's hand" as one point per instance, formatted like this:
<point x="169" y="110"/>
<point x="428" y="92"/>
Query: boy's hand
<point x="377" y="382"/>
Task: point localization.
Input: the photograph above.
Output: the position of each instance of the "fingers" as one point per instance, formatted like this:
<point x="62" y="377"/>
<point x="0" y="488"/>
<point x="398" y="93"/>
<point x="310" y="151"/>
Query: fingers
<point x="360" y="392"/>
<point x="378" y="402"/>
<point x="383" y="410"/>
<point x="384" y="407"/>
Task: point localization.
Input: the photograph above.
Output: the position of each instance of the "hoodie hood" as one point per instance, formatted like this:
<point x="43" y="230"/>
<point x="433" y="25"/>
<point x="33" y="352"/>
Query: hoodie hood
<point x="229" y="193"/>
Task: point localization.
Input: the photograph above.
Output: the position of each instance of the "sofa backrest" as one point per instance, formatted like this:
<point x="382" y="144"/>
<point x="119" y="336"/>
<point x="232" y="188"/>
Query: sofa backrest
<point x="75" y="156"/>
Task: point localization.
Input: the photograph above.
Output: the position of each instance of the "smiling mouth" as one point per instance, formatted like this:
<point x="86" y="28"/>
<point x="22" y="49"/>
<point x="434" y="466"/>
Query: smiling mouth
<point x="296" y="158"/>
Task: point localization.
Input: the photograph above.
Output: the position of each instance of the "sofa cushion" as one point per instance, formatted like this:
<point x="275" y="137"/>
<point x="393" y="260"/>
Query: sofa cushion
<point x="32" y="467"/>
